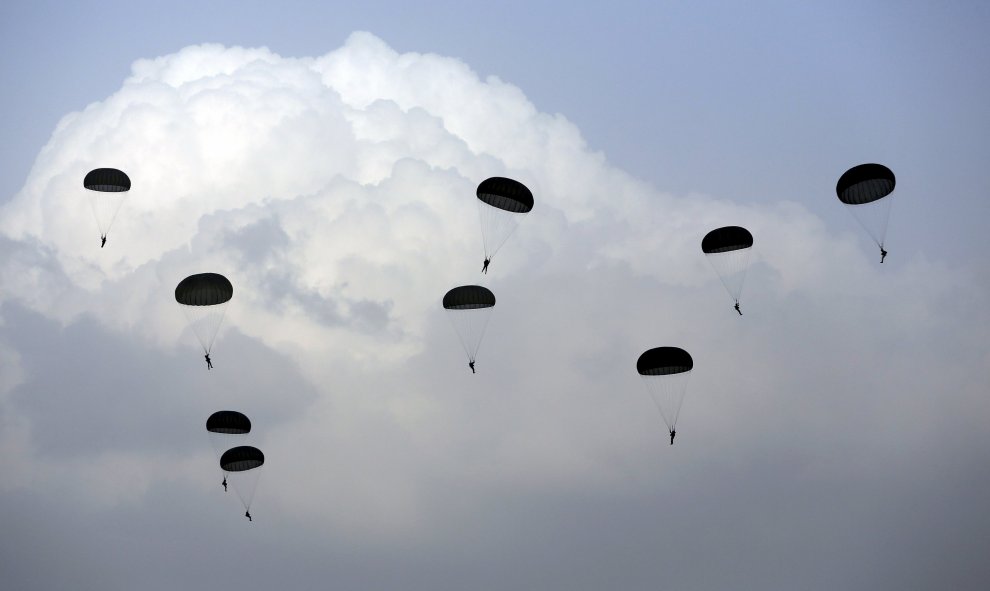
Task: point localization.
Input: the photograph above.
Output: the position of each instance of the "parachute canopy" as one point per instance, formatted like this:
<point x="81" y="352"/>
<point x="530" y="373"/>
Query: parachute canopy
<point x="663" y="361"/>
<point x="203" y="299"/>
<point x="665" y="371"/>
<point x="865" y="184"/>
<point x="107" y="188"/>
<point x="502" y="203"/>
<point x="241" y="458"/>
<point x="728" y="249"/>
<point x="506" y="194"/>
<point x="228" y="422"/>
<point x="469" y="307"/>
<point x="865" y="191"/>
<point x="204" y="289"/>
<point x="468" y="297"/>
<point x="726" y="239"/>
<point x="107" y="180"/>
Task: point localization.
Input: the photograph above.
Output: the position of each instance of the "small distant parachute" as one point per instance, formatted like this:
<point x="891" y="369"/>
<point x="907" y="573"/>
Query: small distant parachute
<point x="203" y="299"/>
<point x="665" y="371"/>
<point x="107" y="188"/>
<point x="728" y="250"/>
<point x="502" y="203"/>
<point x="469" y="308"/>
<point x="241" y="463"/>
<point x="865" y="191"/>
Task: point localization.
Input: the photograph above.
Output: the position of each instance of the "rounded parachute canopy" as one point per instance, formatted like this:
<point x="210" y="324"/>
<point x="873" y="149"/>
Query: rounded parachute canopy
<point x="107" y="180"/>
<point x="241" y="458"/>
<point x="228" y="422"/>
<point x="502" y="203"/>
<point x="728" y="249"/>
<point x="203" y="299"/>
<point x="107" y="188"/>
<point x="204" y="289"/>
<point x="506" y="194"/>
<point x="469" y="307"/>
<point x="468" y="297"/>
<point x="665" y="372"/>
<point x="865" y="183"/>
<point x="663" y="361"/>
<point x="865" y="191"/>
<point x="726" y="239"/>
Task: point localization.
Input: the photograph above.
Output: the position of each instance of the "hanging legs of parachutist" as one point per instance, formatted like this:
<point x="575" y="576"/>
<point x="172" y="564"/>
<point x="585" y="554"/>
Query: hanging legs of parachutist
<point x="883" y="254"/>
<point x="248" y="515"/>
<point x="471" y="365"/>
<point x="103" y="240"/>
<point x="737" y="308"/>
<point x="484" y="267"/>
<point x="209" y="364"/>
<point x="672" y="433"/>
<point x="224" y="483"/>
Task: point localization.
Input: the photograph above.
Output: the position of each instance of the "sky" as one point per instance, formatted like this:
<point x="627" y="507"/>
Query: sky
<point x="325" y="160"/>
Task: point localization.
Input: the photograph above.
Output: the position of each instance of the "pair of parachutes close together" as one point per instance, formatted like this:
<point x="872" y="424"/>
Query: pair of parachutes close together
<point x="502" y="203"/>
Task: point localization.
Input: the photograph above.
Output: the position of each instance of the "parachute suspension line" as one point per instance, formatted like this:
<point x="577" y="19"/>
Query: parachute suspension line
<point x="470" y="326"/>
<point x="496" y="227"/>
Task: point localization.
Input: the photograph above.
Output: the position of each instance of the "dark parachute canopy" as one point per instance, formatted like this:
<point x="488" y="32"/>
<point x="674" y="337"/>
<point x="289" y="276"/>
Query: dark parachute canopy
<point x="728" y="249"/>
<point x="502" y="203"/>
<point x="228" y="422"/>
<point x="241" y="458"/>
<point x="506" y="194"/>
<point x="468" y="297"/>
<point x="665" y="371"/>
<point x="107" y="188"/>
<point x="469" y="307"/>
<point x="107" y="180"/>
<point x="204" y="289"/>
<point x="203" y="299"/>
<point x="865" y="191"/>
<point x="726" y="239"/>
<point x="865" y="184"/>
<point x="662" y="361"/>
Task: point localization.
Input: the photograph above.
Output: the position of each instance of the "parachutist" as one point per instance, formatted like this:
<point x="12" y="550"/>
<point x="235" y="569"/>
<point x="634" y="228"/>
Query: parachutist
<point x="672" y="433"/>
<point x="737" y="308"/>
<point x="224" y="483"/>
<point x="248" y="515"/>
<point x="883" y="254"/>
<point x="209" y="364"/>
<point x="103" y="241"/>
<point x="484" y="268"/>
<point x="471" y="365"/>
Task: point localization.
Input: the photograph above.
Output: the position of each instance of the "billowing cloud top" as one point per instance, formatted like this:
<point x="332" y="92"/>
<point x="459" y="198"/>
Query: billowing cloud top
<point x="337" y="195"/>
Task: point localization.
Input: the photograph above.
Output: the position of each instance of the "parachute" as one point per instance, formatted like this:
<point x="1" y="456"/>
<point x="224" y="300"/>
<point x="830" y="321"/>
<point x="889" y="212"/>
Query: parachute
<point x="728" y="250"/>
<point x="242" y="463"/>
<point x="225" y="426"/>
<point x="203" y="299"/>
<point x="665" y="371"/>
<point x="502" y="203"/>
<point x="107" y="188"/>
<point x="469" y="307"/>
<point x="865" y="191"/>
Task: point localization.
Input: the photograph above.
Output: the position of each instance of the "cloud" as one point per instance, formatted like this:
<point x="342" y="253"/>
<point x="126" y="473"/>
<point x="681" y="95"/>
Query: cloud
<point x="337" y="195"/>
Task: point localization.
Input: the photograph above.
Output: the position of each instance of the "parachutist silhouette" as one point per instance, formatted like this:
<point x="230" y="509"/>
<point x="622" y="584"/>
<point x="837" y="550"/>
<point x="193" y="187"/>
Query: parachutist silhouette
<point x="883" y="254"/>
<point x="484" y="268"/>
<point x="248" y="515"/>
<point x="672" y="433"/>
<point x="471" y="365"/>
<point x="737" y="308"/>
<point x="224" y="483"/>
<point x="103" y="241"/>
<point x="209" y="364"/>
